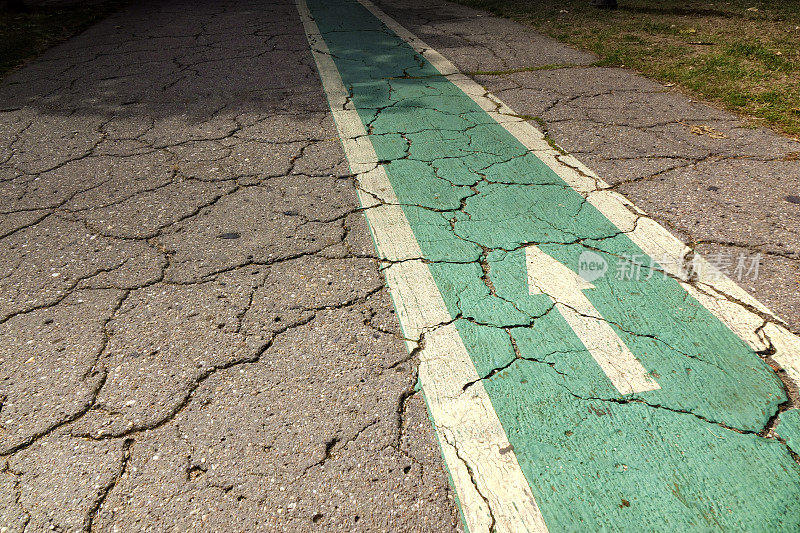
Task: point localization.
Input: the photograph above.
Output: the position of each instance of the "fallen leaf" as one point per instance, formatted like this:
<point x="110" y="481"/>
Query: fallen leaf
<point x="702" y="129"/>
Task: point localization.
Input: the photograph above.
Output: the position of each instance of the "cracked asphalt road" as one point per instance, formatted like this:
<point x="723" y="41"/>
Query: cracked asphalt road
<point x="730" y="195"/>
<point x="491" y="220"/>
<point x="194" y="332"/>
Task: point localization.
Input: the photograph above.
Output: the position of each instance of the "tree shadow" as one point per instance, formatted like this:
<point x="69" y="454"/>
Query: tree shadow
<point x="174" y="59"/>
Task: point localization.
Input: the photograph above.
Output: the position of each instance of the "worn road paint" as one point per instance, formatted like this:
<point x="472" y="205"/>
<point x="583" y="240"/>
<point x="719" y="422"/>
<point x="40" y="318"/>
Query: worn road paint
<point x="478" y="187"/>
<point x="789" y="429"/>
<point x="492" y="490"/>
<point x="548" y="276"/>
<point x="747" y="317"/>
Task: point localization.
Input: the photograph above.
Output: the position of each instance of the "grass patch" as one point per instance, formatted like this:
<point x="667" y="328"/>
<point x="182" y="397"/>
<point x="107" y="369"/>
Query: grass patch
<point x="554" y="146"/>
<point x="538" y="120"/>
<point x="740" y="54"/>
<point x="27" y="33"/>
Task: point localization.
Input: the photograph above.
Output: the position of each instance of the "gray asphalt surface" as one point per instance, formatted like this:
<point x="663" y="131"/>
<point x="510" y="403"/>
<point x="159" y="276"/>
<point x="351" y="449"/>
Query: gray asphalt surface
<point x="194" y="334"/>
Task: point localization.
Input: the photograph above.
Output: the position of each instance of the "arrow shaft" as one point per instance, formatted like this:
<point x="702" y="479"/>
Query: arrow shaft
<point x="548" y="276"/>
<point x="624" y="371"/>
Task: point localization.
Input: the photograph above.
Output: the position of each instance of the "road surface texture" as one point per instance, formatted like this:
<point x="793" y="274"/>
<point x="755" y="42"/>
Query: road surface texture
<point x="194" y="332"/>
<point x="733" y="195"/>
<point x="194" y="328"/>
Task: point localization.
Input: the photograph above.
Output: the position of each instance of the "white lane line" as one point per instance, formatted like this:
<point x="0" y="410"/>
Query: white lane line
<point x="482" y="464"/>
<point x="565" y="287"/>
<point x="653" y="239"/>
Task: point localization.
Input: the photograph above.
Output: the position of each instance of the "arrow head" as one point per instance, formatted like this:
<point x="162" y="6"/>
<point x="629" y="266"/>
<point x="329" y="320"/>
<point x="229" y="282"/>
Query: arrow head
<point x="551" y="277"/>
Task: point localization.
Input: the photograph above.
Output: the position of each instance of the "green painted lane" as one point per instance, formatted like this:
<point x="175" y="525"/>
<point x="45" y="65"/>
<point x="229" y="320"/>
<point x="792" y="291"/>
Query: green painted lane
<point x="789" y="429"/>
<point x="687" y="455"/>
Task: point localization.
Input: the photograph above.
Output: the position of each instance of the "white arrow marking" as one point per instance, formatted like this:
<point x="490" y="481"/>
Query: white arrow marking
<point x="564" y="287"/>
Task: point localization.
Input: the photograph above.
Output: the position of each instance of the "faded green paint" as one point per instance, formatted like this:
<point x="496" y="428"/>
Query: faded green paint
<point x="789" y="429"/>
<point x="662" y="459"/>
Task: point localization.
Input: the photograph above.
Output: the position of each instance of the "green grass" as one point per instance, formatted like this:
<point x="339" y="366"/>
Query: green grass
<point x="26" y="34"/>
<point x="743" y="55"/>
